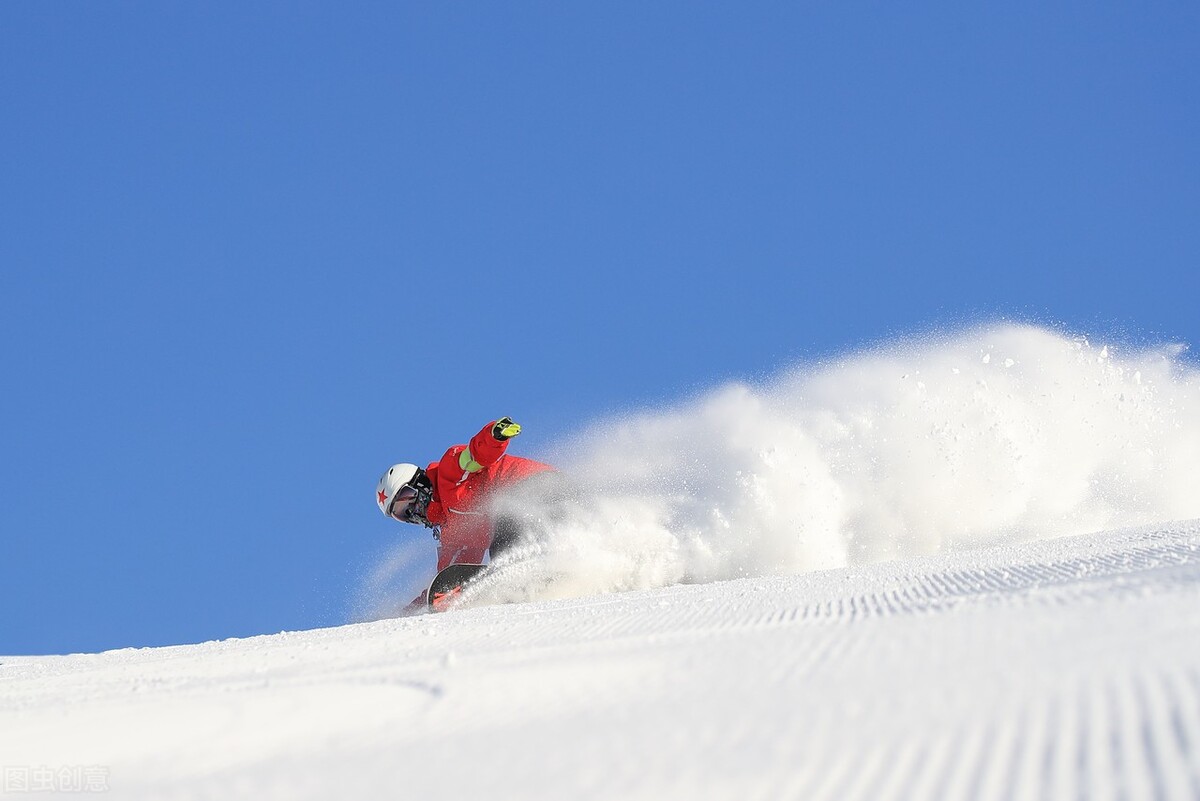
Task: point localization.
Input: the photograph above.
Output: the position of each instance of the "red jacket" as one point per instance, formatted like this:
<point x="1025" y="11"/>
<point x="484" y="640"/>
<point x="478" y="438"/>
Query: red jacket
<point x="463" y="481"/>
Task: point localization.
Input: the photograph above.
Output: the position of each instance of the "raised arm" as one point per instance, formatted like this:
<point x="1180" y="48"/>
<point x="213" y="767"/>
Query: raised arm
<point x="483" y="451"/>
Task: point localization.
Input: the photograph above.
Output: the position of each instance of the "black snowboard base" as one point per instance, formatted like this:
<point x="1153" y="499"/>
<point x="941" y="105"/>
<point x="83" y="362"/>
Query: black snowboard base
<point x="448" y="584"/>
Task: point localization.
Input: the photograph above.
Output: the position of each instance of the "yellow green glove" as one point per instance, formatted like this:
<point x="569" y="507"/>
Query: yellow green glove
<point x="505" y="428"/>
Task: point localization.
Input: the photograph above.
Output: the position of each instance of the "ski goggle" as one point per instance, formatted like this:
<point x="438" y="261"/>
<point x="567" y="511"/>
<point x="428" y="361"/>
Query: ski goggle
<point x="404" y="504"/>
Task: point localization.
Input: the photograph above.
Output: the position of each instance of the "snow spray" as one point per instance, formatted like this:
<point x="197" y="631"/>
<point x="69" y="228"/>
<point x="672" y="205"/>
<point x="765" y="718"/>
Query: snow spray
<point x="999" y="434"/>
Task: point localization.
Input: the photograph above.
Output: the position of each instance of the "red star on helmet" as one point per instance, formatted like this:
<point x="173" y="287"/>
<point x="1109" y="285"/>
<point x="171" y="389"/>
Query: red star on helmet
<point x="382" y="497"/>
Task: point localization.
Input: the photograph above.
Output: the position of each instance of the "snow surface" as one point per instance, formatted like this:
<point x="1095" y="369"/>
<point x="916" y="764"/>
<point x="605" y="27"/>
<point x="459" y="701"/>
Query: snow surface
<point x="1057" y="669"/>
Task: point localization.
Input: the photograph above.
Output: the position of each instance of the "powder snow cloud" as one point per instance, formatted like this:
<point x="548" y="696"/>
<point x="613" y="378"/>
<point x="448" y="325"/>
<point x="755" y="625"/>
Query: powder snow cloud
<point x="996" y="434"/>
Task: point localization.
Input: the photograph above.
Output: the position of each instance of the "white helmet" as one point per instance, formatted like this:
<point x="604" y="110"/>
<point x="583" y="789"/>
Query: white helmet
<point x="404" y="482"/>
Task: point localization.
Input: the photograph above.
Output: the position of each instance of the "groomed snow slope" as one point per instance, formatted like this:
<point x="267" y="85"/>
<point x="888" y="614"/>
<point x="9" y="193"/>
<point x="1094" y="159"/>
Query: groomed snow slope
<point x="1062" y="669"/>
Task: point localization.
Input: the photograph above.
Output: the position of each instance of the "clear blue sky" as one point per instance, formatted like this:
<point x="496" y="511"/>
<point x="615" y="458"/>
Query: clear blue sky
<point x="255" y="252"/>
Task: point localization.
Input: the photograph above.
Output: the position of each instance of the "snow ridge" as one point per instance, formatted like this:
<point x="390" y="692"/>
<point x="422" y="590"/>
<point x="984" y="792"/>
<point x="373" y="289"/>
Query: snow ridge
<point x="1056" y="669"/>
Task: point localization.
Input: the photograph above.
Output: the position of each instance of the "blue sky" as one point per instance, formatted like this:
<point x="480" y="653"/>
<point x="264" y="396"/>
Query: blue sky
<point x="255" y="252"/>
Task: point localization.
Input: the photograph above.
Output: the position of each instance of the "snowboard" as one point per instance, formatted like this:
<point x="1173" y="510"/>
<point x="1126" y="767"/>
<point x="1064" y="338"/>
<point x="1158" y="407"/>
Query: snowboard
<point x="448" y="584"/>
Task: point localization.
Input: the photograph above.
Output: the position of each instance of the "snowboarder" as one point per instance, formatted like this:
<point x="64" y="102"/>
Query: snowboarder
<point x="453" y="496"/>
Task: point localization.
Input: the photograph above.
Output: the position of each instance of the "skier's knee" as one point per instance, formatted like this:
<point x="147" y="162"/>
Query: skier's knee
<point x="507" y="533"/>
